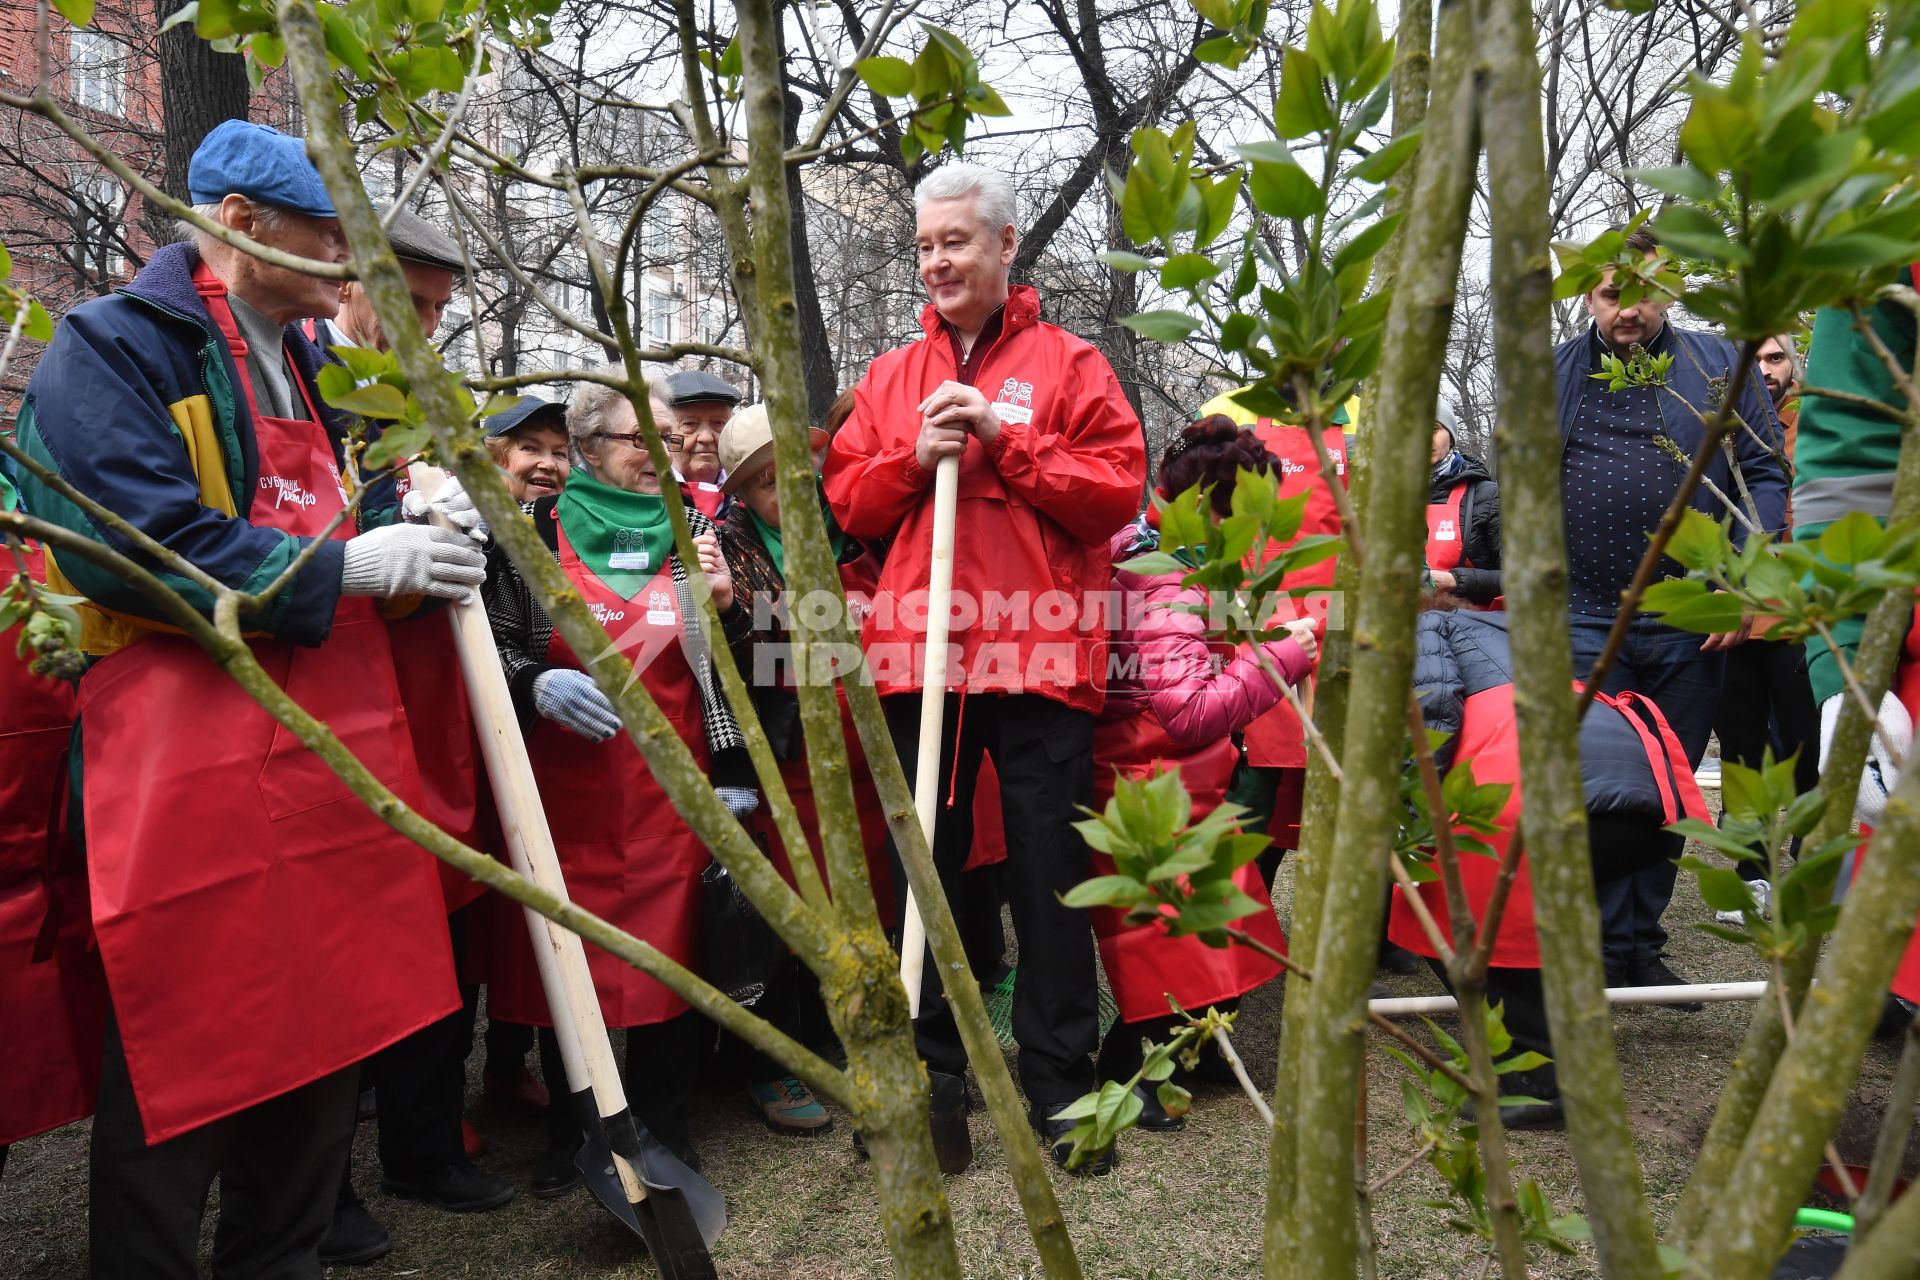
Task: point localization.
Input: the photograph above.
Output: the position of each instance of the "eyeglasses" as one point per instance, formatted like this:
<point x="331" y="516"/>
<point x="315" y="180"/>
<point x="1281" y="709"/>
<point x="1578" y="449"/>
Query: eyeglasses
<point x="638" y="440"/>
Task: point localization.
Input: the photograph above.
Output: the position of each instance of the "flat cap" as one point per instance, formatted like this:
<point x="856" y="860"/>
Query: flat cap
<point x="242" y="158"/>
<point x="530" y="411"/>
<point x="417" y="240"/>
<point x="689" y="385"/>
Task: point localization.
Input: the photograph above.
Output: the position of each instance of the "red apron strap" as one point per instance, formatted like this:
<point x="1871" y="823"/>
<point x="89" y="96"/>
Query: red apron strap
<point x="213" y="292"/>
<point x="1667" y="757"/>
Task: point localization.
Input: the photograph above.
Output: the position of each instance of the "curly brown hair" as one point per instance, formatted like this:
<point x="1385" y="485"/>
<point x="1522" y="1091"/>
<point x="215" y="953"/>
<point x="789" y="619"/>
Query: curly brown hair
<point x="1211" y="452"/>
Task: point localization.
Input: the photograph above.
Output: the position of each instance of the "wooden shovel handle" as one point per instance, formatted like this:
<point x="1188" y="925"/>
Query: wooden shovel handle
<point x="562" y="959"/>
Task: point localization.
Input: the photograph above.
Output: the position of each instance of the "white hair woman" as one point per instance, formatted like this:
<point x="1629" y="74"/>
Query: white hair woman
<point x="628" y="857"/>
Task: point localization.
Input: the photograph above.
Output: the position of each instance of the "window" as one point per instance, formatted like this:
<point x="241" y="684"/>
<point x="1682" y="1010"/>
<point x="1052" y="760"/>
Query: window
<point x="99" y="73"/>
<point x="98" y="204"/>
<point x="660" y="307"/>
<point x="660" y="229"/>
<point x="713" y="322"/>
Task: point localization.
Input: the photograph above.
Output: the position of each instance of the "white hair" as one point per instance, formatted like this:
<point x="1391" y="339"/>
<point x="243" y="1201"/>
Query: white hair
<point x="265" y="215"/>
<point x="591" y="409"/>
<point x="992" y="193"/>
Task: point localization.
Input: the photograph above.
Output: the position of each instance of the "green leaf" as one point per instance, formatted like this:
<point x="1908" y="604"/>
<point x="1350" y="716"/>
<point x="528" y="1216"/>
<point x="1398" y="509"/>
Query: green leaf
<point x="731" y="60"/>
<point x="78" y="12"/>
<point x="375" y="400"/>
<point x="347" y="45"/>
<point x="1105" y="891"/>
<point x="39" y="325"/>
<point x="398" y="442"/>
<point x="1185" y="270"/>
<point x="1388" y="160"/>
<point x="1302" y="106"/>
<point x="1722" y="889"/>
<point x="1857" y="251"/>
<point x="1852" y="538"/>
<point x="889" y="77"/>
<point x="1681" y="180"/>
<point x="1708" y="615"/>
<point x="1285" y="190"/>
<point x="1121" y="260"/>
<point x="1718" y="131"/>
<point x="1698" y="542"/>
<point x="1162" y="326"/>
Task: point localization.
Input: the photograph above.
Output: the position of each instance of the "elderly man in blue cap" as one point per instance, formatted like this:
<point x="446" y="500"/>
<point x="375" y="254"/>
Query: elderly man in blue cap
<point x="261" y="931"/>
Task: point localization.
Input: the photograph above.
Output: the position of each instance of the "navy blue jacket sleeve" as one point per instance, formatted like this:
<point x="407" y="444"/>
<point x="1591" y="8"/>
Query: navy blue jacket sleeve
<point x="95" y="412"/>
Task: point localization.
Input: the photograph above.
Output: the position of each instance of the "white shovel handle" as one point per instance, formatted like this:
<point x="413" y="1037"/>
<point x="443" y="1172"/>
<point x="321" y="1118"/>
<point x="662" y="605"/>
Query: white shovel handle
<point x="933" y="706"/>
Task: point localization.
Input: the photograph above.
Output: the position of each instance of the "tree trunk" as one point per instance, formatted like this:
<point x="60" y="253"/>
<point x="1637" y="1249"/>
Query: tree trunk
<point x="817" y="364"/>
<point x="1546" y="714"/>
<point x="1332" y="1049"/>
<point x="199" y="88"/>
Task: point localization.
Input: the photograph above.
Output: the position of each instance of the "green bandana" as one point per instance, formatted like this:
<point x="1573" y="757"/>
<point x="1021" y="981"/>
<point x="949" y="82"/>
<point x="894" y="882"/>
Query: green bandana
<point x="770" y="539"/>
<point x="776" y="549"/>
<point x="623" y="537"/>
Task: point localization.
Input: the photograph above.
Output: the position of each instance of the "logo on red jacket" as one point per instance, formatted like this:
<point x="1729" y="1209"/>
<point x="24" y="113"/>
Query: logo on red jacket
<point x="1015" y="401"/>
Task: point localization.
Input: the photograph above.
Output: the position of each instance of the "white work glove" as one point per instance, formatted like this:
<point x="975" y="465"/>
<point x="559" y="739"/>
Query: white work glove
<point x="740" y="801"/>
<point x="1881" y="773"/>
<point x="452" y="502"/>
<point x="571" y="700"/>
<point x="411" y="559"/>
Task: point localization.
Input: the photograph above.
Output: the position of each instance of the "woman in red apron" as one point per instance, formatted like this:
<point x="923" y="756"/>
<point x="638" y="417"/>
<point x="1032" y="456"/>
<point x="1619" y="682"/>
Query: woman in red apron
<point x="627" y="855"/>
<point x="1463" y="519"/>
<point x="53" y="997"/>
<point x="1636" y="780"/>
<point x="751" y="540"/>
<point x="1174" y="701"/>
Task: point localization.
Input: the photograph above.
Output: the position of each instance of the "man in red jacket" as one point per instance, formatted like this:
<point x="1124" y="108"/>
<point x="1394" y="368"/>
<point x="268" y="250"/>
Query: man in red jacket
<point x="1052" y="462"/>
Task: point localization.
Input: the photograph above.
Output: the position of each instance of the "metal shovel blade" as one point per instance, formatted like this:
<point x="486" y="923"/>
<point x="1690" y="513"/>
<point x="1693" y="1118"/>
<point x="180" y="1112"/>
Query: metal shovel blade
<point x="699" y="1204"/>
<point x="662" y="1220"/>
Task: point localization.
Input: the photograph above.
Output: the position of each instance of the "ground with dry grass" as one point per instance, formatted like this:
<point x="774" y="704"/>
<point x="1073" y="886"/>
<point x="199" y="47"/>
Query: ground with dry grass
<point x="1182" y="1206"/>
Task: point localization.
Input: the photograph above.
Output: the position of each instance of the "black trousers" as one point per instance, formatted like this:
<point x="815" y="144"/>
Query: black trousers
<point x="663" y="1063"/>
<point x="279" y="1163"/>
<point x="1043" y="752"/>
<point x="791" y="1003"/>
<point x="1767" y="701"/>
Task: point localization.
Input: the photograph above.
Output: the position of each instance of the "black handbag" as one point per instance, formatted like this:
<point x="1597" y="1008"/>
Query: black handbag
<point x="739" y="951"/>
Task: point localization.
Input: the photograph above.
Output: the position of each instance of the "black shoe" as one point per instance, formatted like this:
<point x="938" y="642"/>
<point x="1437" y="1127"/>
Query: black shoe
<point x="354" y="1239"/>
<point x="1395" y="958"/>
<point x="1548" y="1113"/>
<point x="554" y="1173"/>
<point x="947" y="1116"/>
<point x="1620" y="975"/>
<point x="1652" y="971"/>
<point x="458" y="1188"/>
<point x="1153" y="1116"/>
<point x="1054" y="1132"/>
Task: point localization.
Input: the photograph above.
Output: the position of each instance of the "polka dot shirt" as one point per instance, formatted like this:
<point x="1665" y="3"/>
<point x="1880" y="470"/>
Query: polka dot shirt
<point x="1615" y="483"/>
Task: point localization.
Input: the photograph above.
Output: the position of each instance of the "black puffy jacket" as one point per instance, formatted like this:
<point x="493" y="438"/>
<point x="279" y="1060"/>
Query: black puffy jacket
<point x="1480" y="527"/>
<point x="1459" y="654"/>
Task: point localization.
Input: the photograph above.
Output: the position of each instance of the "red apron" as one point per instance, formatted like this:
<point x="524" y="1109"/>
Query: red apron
<point x="858" y="579"/>
<point x="1488" y="739"/>
<point x="440" y="725"/>
<point x="1446" y="540"/>
<point x="1277" y="739"/>
<point x="628" y="856"/>
<point x="433" y="694"/>
<point x="53" y="997"/>
<point x="1906" y="687"/>
<point x="1144" y="964"/>
<point x="260" y="927"/>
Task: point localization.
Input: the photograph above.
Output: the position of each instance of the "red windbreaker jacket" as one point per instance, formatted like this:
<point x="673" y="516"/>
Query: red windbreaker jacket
<point x="1032" y="580"/>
